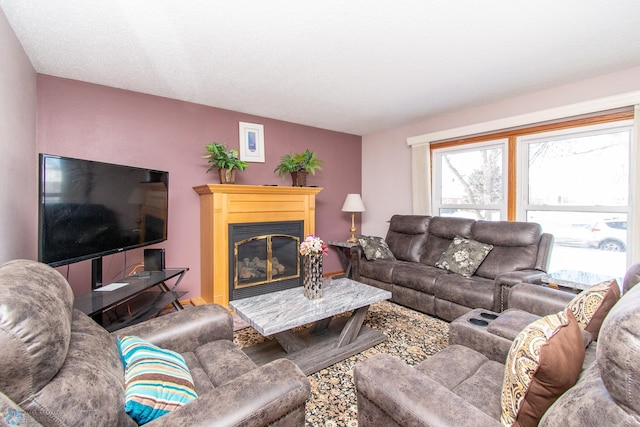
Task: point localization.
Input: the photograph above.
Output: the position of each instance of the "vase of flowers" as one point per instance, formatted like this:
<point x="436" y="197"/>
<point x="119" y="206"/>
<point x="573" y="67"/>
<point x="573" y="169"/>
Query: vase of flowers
<point x="312" y="250"/>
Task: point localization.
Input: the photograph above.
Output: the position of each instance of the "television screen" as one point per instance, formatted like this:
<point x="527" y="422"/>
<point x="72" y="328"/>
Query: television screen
<point x="89" y="209"/>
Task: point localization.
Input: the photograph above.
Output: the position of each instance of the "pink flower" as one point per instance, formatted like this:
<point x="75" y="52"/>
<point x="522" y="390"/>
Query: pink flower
<point x="312" y="245"/>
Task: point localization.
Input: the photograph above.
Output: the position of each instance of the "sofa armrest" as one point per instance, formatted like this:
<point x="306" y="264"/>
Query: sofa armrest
<point x="185" y="330"/>
<point x="409" y="397"/>
<point x="514" y="277"/>
<point x="258" y="398"/>
<point x="504" y="281"/>
<point x="545" y="247"/>
<point x="538" y="299"/>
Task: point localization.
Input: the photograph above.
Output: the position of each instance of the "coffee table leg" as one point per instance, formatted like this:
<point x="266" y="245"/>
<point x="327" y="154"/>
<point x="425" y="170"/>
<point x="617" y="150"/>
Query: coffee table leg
<point x="289" y="341"/>
<point x="321" y="325"/>
<point x="352" y="327"/>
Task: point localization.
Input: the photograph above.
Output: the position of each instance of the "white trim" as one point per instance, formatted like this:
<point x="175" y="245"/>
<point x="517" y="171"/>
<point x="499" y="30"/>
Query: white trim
<point x="634" y="186"/>
<point x="421" y="179"/>
<point x="602" y="104"/>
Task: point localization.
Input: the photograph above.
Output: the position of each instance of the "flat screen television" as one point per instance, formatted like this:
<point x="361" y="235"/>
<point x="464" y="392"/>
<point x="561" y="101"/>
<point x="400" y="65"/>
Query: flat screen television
<point x="89" y="209"/>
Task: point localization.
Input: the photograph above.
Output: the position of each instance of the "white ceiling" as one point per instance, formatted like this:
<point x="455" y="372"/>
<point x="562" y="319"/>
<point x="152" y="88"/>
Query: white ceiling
<point x="356" y="66"/>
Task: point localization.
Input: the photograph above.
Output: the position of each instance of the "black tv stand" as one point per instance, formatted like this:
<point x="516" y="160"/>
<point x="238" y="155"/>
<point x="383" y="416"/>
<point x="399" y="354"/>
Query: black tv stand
<point x="143" y="297"/>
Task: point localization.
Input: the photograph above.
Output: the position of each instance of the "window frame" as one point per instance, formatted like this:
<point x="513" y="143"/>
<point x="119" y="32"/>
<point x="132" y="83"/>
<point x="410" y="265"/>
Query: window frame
<point x="437" y="155"/>
<point x="522" y="205"/>
<point x="423" y="147"/>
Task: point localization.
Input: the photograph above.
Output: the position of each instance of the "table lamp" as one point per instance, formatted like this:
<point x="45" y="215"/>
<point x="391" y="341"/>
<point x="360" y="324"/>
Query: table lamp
<point x="353" y="203"/>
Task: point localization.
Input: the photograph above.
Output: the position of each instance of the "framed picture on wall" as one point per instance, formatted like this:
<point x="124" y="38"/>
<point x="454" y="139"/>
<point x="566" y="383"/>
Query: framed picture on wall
<point x="251" y="142"/>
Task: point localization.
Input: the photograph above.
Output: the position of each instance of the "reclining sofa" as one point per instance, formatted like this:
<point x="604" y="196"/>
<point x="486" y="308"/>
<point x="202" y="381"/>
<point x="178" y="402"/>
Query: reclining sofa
<point x="520" y="253"/>
<point x="59" y="368"/>
<point x="459" y="386"/>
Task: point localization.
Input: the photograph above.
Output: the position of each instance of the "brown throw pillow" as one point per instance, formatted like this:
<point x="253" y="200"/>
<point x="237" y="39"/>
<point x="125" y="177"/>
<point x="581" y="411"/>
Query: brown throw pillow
<point x="463" y="256"/>
<point x="544" y="361"/>
<point x="592" y="305"/>
<point x="375" y="248"/>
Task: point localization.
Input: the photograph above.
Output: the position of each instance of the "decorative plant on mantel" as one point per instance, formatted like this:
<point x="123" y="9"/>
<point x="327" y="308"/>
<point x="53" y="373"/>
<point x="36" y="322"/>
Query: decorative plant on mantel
<point x="224" y="159"/>
<point x="299" y="165"/>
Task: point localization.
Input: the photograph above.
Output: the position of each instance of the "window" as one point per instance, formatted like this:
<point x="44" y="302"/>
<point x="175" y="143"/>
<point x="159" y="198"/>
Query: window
<point x="572" y="177"/>
<point x="470" y="181"/>
<point x="575" y="183"/>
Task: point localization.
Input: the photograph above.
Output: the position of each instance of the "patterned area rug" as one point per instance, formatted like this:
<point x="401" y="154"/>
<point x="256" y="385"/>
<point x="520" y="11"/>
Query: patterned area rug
<point x="412" y="337"/>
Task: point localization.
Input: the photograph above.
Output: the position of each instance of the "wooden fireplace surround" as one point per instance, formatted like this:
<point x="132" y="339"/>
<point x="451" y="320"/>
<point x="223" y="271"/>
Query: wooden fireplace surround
<point x="224" y="204"/>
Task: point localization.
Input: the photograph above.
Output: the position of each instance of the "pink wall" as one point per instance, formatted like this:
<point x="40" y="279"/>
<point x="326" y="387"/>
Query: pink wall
<point x="100" y="123"/>
<point x="389" y="193"/>
<point x="18" y="204"/>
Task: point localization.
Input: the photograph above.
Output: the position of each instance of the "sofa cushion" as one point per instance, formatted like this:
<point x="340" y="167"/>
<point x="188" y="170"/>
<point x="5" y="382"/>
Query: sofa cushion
<point x="592" y="305"/>
<point x="544" y="361"/>
<point x="407" y="236"/>
<point x="157" y="380"/>
<point x="465" y="371"/>
<point x="414" y="275"/>
<point x="442" y="230"/>
<point x="91" y="381"/>
<point x="475" y="292"/>
<point x="515" y="246"/>
<point x="463" y="256"/>
<point x="380" y="269"/>
<point x="230" y="362"/>
<point x="375" y="248"/>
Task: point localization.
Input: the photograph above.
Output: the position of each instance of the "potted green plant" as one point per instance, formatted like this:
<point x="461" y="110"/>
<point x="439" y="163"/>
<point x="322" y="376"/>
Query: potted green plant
<point x="299" y="165"/>
<point x="225" y="160"/>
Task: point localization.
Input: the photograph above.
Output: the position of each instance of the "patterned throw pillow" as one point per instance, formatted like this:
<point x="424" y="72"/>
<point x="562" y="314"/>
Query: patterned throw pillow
<point x="463" y="256"/>
<point x="591" y="306"/>
<point x="156" y="380"/>
<point x="544" y="361"/>
<point x="375" y="248"/>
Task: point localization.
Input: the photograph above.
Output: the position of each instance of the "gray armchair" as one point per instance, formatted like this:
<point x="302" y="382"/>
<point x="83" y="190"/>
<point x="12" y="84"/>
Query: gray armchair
<point x="462" y="387"/>
<point x="59" y="368"/>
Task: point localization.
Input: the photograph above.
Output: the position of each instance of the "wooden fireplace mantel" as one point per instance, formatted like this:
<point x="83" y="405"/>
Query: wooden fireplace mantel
<point x="224" y="204"/>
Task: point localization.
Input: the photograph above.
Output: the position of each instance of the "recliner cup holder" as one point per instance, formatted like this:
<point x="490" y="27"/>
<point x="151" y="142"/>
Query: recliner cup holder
<point x="478" y="322"/>
<point x="489" y="316"/>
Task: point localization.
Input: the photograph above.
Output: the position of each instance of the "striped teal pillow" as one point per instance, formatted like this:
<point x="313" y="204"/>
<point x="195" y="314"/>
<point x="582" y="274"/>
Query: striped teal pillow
<point x="156" y="380"/>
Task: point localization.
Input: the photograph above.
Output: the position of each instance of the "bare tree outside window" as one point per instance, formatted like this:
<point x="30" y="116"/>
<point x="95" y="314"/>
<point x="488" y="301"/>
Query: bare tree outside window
<point x="473" y="178"/>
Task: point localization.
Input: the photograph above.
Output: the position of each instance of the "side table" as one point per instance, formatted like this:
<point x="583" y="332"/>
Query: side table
<point x="573" y="280"/>
<point x="348" y="257"/>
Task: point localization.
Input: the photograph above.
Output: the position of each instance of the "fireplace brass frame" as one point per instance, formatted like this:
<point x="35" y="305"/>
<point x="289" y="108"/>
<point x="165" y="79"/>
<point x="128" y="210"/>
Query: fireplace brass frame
<point x="269" y="261"/>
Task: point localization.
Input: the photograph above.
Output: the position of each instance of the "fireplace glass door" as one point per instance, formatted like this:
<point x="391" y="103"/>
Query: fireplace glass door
<point x="265" y="259"/>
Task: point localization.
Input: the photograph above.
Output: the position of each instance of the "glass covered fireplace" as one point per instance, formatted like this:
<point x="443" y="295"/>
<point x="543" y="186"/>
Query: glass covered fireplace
<point x="264" y="257"/>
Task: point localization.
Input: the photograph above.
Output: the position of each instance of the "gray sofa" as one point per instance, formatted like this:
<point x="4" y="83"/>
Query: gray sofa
<point x="521" y="253"/>
<point x="527" y="302"/>
<point x="461" y="387"/>
<point x="59" y="368"/>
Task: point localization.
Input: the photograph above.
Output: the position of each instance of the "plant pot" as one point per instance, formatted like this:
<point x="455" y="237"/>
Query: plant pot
<point x="227" y="176"/>
<point x="299" y="179"/>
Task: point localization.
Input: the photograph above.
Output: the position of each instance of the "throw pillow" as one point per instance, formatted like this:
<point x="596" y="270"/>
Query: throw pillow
<point x="463" y="256"/>
<point x="156" y="380"/>
<point x="591" y="306"/>
<point x="544" y="361"/>
<point x="375" y="248"/>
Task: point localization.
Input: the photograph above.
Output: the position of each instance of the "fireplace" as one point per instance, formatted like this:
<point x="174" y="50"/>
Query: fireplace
<point x="222" y="205"/>
<point x="265" y="259"/>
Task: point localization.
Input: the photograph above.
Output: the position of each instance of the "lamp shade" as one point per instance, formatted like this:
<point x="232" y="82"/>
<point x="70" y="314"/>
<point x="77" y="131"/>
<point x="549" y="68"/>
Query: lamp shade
<point x="353" y="203"/>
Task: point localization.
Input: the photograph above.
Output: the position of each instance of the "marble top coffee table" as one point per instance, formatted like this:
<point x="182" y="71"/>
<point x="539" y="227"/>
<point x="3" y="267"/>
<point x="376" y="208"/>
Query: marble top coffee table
<point x="328" y="340"/>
